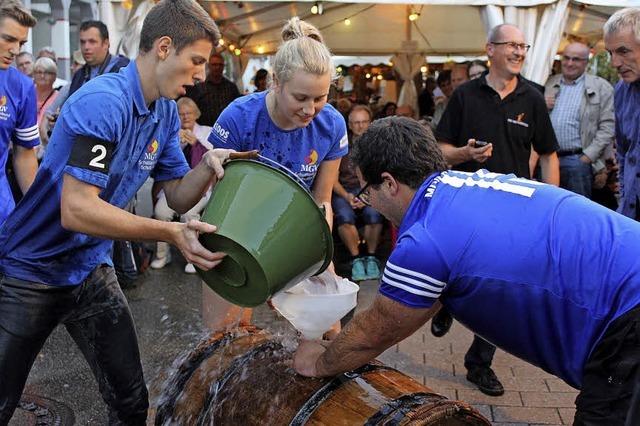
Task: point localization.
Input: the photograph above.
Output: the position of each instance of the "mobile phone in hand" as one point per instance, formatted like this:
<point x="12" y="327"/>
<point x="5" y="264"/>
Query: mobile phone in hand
<point x="480" y="144"/>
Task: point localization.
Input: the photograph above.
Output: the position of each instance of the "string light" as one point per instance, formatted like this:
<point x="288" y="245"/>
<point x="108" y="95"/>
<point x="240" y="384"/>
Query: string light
<point x="221" y="42"/>
<point x="232" y="47"/>
<point x="390" y="63"/>
<point x="339" y="70"/>
<point x="127" y="4"/>
<point x="379" y="77"/>
<point x="237" y="52"/>
<point x="260" y="50"/>
<point x="368" y="75"/>
<point x="317" y="8"/>
<point x="423" y="69"/>
<point x="347" y="22"/>
<point x="413" y="16"/>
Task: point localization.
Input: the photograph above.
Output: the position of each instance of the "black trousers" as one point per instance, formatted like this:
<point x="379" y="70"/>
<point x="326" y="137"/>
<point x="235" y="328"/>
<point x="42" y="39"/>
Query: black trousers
<point x="96" y="315"/>
<point x="610" y="392"/>
<point x="480" y="354"/>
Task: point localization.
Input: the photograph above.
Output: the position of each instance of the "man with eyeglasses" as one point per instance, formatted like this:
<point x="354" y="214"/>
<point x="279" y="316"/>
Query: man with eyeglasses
<point x="581" y="110"/>
<point x="622" y="40"/>
<point x="546" y="274"/>
<point x="347" y="206"/>
<point x="495" y="122"/>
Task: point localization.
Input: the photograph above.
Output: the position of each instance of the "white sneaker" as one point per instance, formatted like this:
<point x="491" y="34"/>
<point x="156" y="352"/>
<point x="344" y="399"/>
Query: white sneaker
<point x="189" y="268"/>
<point x="160" y="262"/>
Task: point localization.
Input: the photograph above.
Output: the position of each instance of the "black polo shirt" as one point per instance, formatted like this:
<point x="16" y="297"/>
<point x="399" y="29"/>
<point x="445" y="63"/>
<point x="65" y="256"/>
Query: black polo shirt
<point x="513" y="125"/>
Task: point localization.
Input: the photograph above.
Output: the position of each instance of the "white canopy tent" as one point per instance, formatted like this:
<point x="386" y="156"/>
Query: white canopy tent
<point x="443" y="27"/>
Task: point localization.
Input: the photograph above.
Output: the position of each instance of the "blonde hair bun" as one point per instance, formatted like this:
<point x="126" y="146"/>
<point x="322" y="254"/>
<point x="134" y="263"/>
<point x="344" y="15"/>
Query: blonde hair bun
<point x="303" y="49"/>
<point x="297" y="28"/>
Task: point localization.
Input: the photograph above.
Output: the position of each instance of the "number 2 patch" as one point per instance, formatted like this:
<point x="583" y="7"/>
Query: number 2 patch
<point x="92" y="154"/>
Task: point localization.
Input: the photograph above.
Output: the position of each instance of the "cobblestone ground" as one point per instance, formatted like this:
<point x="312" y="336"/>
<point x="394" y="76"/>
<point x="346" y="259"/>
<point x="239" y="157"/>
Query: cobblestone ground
<point x="166" y="308"/>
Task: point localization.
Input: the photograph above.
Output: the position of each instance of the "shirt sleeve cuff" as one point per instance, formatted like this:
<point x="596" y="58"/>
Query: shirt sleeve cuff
<point x="93" y="178"/>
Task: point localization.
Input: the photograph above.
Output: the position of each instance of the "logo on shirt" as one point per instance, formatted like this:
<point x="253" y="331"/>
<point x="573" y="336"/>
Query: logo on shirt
<point x="153" y="147"/>
<point x="222" y="133"/>
<point x="150" y="156"/>
<point x="4" y="108"/>
<point x="310" y="162"/>
<point x="344" y="142"/>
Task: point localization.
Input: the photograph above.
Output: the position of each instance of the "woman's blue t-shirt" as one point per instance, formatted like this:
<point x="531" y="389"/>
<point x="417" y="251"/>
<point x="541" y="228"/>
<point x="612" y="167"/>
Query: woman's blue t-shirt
<point x="245" y="125"/>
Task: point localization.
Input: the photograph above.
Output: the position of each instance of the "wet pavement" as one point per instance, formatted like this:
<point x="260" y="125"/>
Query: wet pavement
<point x="166" y="308"/>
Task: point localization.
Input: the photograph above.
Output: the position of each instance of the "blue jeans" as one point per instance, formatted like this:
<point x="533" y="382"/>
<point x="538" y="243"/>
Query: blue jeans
<point x="575" y="175"/>
<point x="96" y="315"/>
<point x="343" y="213"/>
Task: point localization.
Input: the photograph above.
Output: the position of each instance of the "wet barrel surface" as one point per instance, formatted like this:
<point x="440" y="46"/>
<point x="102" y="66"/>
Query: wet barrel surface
<point x="245" y="377"/>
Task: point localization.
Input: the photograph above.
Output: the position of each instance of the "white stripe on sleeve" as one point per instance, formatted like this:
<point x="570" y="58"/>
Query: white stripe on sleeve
<point x="418" y="275"/>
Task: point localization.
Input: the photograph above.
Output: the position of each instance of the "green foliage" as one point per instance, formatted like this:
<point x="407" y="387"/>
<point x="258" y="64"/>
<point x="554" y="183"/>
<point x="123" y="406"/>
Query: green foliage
<point x="602" y="62"/>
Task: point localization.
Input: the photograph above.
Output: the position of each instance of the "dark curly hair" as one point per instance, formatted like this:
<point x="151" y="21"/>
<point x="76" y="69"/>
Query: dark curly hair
<point x="400" y="146"/>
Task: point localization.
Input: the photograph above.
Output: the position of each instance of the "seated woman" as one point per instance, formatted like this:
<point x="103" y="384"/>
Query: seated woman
<point x="346" y="207"/>
<point x="193" y="139"/>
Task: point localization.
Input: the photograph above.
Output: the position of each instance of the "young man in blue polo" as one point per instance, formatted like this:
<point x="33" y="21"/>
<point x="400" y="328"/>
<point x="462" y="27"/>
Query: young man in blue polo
<point x="539" y="271"/>
<point x="55" y="264"/>
<point x="17" y="105"/>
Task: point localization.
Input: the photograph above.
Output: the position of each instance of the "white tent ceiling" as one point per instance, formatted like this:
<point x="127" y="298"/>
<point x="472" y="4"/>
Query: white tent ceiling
<point x="444" y="27"/>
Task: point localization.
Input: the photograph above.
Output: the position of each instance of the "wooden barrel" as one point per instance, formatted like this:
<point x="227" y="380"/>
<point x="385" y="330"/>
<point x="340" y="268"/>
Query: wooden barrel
<point x="245" y="377"/>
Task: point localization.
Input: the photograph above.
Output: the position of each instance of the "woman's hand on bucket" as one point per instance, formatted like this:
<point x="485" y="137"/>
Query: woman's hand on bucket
<point x="187" y="241"/>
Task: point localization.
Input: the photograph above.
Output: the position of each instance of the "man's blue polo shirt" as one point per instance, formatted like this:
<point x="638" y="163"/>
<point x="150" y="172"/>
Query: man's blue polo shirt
<point x="18" y="124"/>
<point x="106" y="136"/>
<point x="537" y="270"/>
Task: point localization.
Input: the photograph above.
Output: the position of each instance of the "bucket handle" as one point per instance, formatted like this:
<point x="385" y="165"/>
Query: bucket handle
<point x="285" y="169"/>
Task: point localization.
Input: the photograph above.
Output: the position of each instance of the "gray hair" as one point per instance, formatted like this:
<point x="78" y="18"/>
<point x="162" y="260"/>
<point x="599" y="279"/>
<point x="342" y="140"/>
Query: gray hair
<point x="46" y="64"/>
<point x="184" y="101"/>
<point x="628" y="18"/>
<point x="302" y="49"/>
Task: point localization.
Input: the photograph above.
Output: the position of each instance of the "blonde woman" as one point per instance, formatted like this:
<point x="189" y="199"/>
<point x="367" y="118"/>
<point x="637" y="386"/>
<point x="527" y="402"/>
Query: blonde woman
<point x="291" y="124"/>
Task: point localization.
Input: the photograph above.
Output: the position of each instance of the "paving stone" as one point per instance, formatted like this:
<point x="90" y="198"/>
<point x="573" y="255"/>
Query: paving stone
<point x="524" y="384"/>
<point x="548" y="399"/>
<point x="476" y="397"/>
<point x="485" y="410"/>
<point x="557" y="385"/>
<point x="567" y="415"/>
<point x="544" y="416"/>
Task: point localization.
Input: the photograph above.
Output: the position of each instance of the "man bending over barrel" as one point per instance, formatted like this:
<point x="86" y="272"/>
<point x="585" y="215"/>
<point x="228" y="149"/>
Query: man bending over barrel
<point x="55" y="264"/>
<point x="539" y="271"/>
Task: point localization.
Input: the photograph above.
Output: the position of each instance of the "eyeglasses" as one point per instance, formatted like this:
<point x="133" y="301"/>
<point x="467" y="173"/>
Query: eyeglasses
<point x="364" y="195"/>
<point x="512" y="45"/>
<point x="573" y="58"/>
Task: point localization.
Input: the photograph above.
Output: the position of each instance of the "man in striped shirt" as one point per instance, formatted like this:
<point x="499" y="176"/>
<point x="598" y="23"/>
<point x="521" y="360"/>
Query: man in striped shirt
<point x="512" y="259"/>
<point x="17" y="105"/>
<point x="581" y="110"/>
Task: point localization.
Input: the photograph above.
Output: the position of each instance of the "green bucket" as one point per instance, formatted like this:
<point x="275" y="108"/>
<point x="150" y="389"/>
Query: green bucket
<point x="271" y="229"/>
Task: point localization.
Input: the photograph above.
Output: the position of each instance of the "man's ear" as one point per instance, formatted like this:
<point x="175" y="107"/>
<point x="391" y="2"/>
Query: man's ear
<point x="391" y="182"/>
<point x="163" y="46"/>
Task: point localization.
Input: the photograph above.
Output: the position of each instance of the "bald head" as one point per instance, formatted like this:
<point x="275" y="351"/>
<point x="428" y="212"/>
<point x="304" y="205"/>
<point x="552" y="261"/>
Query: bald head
<point x="503" y="32"/>
<point x="574" y="60"/>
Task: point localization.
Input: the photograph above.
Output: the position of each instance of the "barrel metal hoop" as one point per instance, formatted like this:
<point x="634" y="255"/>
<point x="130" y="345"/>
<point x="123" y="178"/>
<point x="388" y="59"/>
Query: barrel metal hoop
<point x="184" y="372"/>
<point x="309" y="407"/>
<point x="230" y="372"/>
<point x="399" y="407"/>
